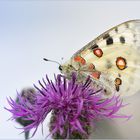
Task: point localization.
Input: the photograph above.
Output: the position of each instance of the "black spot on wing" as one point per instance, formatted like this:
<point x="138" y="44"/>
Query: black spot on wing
<point x="109" y="41"/>
<point x="94" y="47"/>
<point x="122" y="39"/>
<point x="116" y="30"/>
<point x="106" y="36"/>
<point x="117" y="88"/>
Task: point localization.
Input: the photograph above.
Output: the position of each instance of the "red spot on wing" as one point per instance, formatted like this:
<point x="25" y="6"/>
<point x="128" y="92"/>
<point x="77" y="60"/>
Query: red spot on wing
<point x="118" y="82"/>
<point x="98" y="52"/>
<point x="96" y="74"/>
<point x="91" y="66"/>
<point x="80" y="60"/>
<point x="121" y="63"/>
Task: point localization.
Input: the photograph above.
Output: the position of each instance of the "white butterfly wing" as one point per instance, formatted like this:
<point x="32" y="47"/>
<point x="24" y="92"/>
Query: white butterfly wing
<point x="116" y="58"/>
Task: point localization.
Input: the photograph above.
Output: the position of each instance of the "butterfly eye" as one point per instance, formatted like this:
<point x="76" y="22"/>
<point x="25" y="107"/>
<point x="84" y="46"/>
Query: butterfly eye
<point x="60" y="68"/>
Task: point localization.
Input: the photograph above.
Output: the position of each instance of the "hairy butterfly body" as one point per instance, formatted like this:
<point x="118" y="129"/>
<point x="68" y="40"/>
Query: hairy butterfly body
<point x="112" y="60"/>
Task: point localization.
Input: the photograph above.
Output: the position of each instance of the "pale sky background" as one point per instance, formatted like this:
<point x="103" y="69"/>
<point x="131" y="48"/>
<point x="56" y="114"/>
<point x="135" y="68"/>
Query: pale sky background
<point x="31" y="30"/>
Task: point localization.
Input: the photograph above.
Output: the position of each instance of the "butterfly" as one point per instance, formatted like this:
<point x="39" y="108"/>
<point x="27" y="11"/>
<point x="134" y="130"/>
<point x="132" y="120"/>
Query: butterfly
<point x="112" y="60"/>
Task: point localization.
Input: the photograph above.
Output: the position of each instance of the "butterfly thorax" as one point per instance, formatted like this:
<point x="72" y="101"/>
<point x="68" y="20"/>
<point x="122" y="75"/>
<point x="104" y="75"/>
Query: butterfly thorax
<point x="72" y="66"/>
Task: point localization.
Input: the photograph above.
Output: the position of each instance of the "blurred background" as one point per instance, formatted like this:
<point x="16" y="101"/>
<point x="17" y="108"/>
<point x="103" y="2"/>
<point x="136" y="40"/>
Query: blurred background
<point x="34" y="29"/>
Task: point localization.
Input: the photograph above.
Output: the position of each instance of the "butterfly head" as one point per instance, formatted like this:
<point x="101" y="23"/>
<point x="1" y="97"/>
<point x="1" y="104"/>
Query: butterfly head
<point x="60" y="68"/>
<point x="67" y="69"/>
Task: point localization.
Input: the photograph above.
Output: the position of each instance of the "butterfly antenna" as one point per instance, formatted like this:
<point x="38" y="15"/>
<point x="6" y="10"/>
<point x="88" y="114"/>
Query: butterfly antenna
<point x="52" y="61"/>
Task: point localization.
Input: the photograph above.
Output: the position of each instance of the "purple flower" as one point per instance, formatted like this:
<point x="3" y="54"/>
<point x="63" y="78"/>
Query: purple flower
<point x="74" y="106"/>
<point x="29" y="95"/>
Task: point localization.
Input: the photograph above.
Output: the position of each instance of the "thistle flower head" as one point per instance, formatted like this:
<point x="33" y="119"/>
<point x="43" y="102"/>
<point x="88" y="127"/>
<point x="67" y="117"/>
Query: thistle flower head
<point x="29" y="95"/>
<point x="74" y="106"/>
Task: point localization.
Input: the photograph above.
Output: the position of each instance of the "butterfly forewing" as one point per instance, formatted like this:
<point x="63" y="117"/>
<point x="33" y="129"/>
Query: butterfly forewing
<point x="113" y="59"/>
